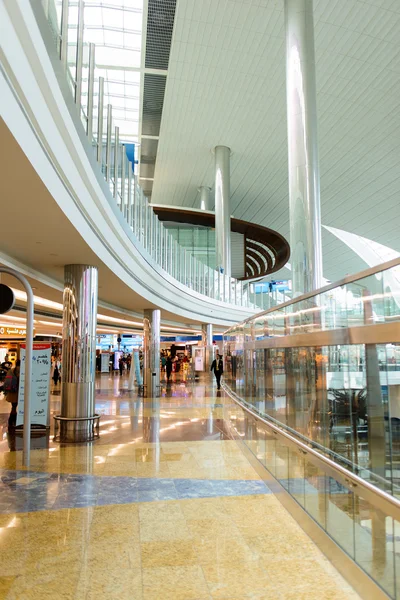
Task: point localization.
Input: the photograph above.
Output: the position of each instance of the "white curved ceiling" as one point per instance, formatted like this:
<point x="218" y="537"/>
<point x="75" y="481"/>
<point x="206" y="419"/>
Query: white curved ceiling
<point x="226" y="85"/>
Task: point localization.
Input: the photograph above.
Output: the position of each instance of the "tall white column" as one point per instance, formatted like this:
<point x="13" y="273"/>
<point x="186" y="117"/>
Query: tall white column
<point x="207" y="340"/>
<point x="78" y="352"/>
<point x="304" y="184"/>
<point x="222" y="209"/>
<point x="205" y="200"/>
<point x="151" y="351"/>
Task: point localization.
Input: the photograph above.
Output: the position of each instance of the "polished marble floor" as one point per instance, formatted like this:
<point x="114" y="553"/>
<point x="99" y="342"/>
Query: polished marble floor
<point x="164" y="506"/>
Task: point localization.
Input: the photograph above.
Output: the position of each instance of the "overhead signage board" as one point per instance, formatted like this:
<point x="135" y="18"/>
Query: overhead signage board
<point x="13" y="332"/>
<point x="40" y="386"/>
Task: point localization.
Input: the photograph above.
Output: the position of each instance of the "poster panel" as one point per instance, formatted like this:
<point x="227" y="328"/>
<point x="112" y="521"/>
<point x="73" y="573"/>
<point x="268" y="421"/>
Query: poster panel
<point x="40" y="386"/>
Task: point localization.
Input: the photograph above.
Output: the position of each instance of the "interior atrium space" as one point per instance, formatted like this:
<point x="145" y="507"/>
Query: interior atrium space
<point x="200" y="300"/>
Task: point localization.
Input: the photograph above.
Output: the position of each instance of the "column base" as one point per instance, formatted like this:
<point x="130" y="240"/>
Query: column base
<point x="76" y="429"/>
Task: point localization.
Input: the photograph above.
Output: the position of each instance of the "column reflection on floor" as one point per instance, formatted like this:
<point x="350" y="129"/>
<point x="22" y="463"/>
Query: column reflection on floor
<point x="163" y="506"/>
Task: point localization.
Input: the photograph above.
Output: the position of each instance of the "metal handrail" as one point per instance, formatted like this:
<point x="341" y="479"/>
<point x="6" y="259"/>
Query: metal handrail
<point x="395" y="262"/>
<point x="382" y="500"/>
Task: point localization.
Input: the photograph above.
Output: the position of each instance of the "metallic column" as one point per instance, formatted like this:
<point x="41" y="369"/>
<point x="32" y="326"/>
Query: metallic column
<point x="78" y="352"/>
<point x="222" y="209"/>
<point x="151" y="352"/>
<point x="304" y="187"/>
<point x="207" y="339"/>
<point x="205" y="200"/>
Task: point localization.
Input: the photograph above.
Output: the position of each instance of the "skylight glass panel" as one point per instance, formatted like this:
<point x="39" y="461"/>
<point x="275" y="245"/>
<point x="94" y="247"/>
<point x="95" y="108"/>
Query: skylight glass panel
<point x="115" y="27"/>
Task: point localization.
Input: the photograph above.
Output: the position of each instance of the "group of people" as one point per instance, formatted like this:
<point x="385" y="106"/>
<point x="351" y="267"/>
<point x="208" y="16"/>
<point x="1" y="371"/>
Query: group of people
<point x="170" y="362"/>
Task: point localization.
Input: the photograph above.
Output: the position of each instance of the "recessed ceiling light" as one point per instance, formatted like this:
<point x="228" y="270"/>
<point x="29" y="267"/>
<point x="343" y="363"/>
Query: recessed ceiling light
<point x="52" y="254"/>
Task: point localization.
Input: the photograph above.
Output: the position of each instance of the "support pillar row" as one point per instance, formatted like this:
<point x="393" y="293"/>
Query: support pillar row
<point x="304" y="179"/>
<point x="151" y="352"/>
<point x="78" y="352"/>
<point x="222" y="209"/>
<point x="207" y="339"/>
<point x="205" y="198"/>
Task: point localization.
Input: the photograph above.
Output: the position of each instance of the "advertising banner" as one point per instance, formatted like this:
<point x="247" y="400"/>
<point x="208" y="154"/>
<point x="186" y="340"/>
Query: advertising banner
<point x="40" y="385"/>
<point x="105" y="362"/>
<point x="138" y="374"/>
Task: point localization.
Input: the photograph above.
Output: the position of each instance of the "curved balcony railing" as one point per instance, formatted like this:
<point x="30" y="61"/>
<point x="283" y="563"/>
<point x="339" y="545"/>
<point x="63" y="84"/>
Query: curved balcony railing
<point x="87" y="88"/>
<point x="324" y="370"/>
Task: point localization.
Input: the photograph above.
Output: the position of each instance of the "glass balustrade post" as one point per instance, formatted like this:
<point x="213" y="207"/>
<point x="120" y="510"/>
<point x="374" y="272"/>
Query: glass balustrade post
<point x="123" y="178"/>
<point x="176" y="260"/>
<point x="79" y="55"/>
<point x="108" y="143"/>
<point x="136" y="210"/>
<point x="164" y="249"/>
<point x="129" y="207"/>
<point x="116" y="163"/>
<point x="152" y="226"/>
<point x="157" y="240"/>
<point x="64" y="34"/>
<point x="100" y="122"/>
<point x="89" y="129"/>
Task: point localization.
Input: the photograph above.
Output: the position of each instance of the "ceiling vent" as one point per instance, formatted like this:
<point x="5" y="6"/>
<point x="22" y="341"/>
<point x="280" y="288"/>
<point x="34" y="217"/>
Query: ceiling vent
<point x="153" y="100"/>
<point x="160" y="25"/>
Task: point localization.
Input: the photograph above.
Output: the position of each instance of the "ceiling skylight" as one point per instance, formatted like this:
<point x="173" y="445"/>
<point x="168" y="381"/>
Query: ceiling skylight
<point x="115" y="27"/>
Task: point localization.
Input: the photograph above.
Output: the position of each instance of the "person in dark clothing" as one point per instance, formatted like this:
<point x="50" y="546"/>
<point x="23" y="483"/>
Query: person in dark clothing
<point x="121" y="365"/>
<point x="56" y="374"/>
<point x="12" y="396"/>
<point x="168" y="366"/>
<point x="218" y="368"/>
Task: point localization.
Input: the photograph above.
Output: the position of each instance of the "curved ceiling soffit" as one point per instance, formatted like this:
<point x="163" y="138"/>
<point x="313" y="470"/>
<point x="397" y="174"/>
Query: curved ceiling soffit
<point x="268" y="250"/>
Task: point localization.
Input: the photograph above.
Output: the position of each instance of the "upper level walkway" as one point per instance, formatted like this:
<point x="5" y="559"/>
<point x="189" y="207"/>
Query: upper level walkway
<point x="72" y="190"/>
<point x="164" y="506"/>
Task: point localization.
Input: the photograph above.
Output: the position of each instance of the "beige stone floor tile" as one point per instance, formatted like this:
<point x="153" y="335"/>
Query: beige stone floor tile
<point x="298" y="573"/>
<point x="118" y="514"/>
<point x="203" y="508"/>
<point x="114" y="583"/>
<point x="169" y="530"/>
<point x="168" y="554"/>
<point x="152" y="470"/>
<point x="222" y="549"/>
<point x="118" y="535"/>
<point x="318" y="593"/>
<point x="47" y="585"/>
<point x="206" y="528"/>
<point x="160" y="511"/>
<point x="123" y="469"/>
<point x="97" y="554"/>
<point x="238" y="580"/>
<point x="11" y="520"/>
<point x="117" y="459"/>
<point x="175" y="583"/>
<point x="276" y="549"/>
<point x="5" y="585"/>
<point x="186" y="471"/>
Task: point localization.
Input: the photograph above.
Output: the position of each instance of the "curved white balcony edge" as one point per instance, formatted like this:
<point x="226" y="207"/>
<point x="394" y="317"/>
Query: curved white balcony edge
<point x="35" y="110"/>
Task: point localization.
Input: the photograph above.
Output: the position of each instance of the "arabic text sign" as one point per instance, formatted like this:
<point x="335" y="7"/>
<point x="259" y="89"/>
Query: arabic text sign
<point x="40" y="386"/>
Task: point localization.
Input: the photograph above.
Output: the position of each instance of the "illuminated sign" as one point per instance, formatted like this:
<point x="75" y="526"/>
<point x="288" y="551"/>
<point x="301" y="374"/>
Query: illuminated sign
<point x="20" y="331"/>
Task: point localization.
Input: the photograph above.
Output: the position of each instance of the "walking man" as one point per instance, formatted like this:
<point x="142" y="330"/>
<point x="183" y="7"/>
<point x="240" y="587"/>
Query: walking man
<point x="218" y="368"/>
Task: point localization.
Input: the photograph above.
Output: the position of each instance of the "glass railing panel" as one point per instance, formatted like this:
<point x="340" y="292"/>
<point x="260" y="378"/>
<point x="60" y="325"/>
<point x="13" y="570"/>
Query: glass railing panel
<point x="391" y="294"/>
<point x="315" y="492"/>
<point x="374" y="543"/>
